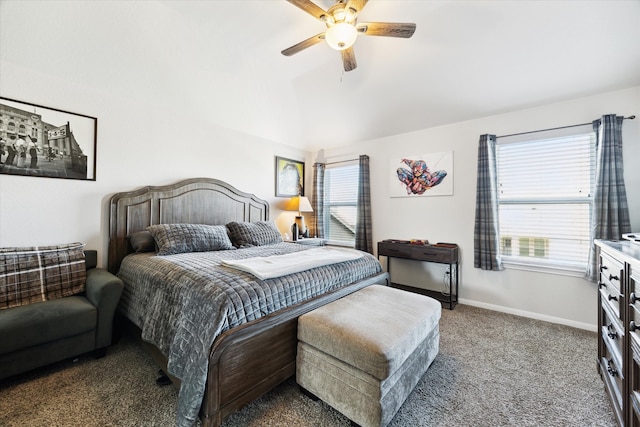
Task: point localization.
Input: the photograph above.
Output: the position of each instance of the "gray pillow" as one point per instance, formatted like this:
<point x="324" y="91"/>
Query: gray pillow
<point x="142" y="241"/>
<point x="180" y="238"/>
<point x="245" y="234"/>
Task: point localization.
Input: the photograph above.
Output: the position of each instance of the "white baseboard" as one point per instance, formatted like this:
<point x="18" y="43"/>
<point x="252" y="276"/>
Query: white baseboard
<point x="531" y="315"/>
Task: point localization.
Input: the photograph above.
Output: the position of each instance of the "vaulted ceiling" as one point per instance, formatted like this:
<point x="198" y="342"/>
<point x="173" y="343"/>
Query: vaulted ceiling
<point x="467" y="59"/>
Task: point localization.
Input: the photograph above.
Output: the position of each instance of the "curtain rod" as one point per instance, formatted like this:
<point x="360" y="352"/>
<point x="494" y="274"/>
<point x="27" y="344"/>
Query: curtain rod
<point x="561" y="127"/>
<point x="341" y="161"/>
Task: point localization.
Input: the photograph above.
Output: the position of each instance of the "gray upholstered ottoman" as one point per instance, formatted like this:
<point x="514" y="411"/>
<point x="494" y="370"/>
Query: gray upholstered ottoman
<point x="364" y="353"/>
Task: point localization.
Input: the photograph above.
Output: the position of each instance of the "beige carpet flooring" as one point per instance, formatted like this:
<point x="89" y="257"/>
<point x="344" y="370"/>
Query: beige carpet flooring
<point x="493" y="369"/>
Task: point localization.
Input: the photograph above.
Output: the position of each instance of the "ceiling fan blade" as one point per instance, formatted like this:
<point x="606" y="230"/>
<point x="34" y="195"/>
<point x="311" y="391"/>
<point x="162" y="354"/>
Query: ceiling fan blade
<point x="303" y="45"/>
<point x="310" y="7"/>
<point x="349" y="59"/>
<point x="387" y="29"/>
<point x="356" y="5"/>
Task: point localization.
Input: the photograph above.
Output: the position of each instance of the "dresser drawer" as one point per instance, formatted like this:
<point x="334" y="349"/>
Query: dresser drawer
<point x="635" y="404"/>
<point x="612" y="300"/>
<point x="612" y="333"/>
<point x="634" y="320"/>
<point x="611" y="290"/>
<point x="612" y="375"/>
<point x="611" y="272"/>
<point x="634" y="375"/>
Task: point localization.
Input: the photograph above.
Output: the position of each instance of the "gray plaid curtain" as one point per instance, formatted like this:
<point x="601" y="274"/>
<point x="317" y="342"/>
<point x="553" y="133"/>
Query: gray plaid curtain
<point x="364" y="241"/>
<point x="317" y="203"/>
<point x="610" y="211"/>
<point x="485" y="245"/>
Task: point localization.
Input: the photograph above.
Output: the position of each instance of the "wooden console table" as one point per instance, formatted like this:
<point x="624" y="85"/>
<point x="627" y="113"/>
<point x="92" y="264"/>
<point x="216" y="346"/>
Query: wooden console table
<point x="425" y="253"/>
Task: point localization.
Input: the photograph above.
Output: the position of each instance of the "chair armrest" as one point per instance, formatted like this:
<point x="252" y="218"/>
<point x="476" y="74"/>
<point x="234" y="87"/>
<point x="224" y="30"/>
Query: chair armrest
<point x="103" y="290"/>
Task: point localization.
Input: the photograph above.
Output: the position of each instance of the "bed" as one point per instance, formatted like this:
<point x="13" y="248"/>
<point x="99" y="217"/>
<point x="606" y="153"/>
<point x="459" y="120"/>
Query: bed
<point x="244" y="360"/>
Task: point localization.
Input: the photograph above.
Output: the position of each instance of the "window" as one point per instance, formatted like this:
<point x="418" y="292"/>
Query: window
<point x="545" y="189"/>
<point x="340" y="203"/>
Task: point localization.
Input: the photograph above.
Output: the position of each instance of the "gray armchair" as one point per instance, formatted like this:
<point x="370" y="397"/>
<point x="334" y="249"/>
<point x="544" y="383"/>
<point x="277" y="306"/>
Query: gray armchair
<point x="38" y="334"/>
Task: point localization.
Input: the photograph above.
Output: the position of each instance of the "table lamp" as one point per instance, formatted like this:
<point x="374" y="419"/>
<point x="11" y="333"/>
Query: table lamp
<point x="299" y="204"/>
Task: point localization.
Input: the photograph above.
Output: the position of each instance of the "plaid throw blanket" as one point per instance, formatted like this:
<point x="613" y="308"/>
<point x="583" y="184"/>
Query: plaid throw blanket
<point x="40" y="273"/>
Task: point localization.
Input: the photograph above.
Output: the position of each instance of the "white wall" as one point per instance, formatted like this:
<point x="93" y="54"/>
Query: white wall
<point x="563" y="299"/>
<point x="159" y="120"/>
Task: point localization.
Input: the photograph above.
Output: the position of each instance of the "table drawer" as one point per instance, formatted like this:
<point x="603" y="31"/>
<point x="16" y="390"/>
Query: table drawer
<point x="435" y="254"/>
<point x="398" y="250"/>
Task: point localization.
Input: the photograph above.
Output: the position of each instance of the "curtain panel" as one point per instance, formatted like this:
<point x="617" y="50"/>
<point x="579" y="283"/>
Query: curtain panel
<point x="317" y="202"/>
<point x="610" y="211"/>
<point x="364" y="240"/>
<point x="486" y="254"/>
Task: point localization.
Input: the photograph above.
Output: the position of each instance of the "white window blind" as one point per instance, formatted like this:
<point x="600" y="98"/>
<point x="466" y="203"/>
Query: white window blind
<point x="340" y="203"/>
<point x="545" y="189"/>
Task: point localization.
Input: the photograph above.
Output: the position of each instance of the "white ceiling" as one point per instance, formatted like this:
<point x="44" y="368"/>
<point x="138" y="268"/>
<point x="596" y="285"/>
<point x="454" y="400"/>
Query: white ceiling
<point x="467" y="59"/>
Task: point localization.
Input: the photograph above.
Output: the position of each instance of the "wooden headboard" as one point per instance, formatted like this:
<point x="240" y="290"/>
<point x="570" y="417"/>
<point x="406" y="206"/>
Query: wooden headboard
<point x="194" y="201"/>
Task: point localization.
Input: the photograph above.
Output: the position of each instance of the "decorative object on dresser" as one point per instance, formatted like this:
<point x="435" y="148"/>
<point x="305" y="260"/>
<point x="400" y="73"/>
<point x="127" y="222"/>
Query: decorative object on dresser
<point x="632" y="237"/>
<point x="441" y="253"/>
<point x="299" y="204"/>
<point x="618" y="324"/>
<point x="228" y="365"/>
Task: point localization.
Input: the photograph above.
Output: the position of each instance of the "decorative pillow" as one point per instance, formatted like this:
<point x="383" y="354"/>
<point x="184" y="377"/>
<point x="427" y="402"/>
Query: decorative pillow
<point x="40" y="273"/>
<point x="142" y="241"/>
<point x="244" y="234"/>
<point x="180" y="238"/>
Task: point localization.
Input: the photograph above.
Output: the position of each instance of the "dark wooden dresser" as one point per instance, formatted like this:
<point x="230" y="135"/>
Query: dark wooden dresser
<point x="426" y="253"/>
<point x="619" y="327"/>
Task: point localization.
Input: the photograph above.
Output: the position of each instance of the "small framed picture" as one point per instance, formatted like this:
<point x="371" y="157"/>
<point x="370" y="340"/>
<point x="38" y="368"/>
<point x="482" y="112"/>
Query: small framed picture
<point x="289" y="177"/>
<point x="46" y="142"/>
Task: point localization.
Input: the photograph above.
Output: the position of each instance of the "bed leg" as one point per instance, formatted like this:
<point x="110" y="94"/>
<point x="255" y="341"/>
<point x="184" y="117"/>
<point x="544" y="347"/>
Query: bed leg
<point x="163" y="379"/>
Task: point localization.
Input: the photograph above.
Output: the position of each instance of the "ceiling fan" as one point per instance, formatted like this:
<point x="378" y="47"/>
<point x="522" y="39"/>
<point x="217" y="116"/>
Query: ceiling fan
<point x="343" y="29"/>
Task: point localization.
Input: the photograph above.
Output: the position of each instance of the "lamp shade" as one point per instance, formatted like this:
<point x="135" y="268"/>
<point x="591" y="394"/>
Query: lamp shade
<point x="299" y="204"/>
<point x="341" y="36"/>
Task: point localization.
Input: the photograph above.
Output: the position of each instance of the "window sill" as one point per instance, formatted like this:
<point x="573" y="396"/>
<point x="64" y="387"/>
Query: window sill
<point x="340" y="243"/>
<point x="559" y="269"/>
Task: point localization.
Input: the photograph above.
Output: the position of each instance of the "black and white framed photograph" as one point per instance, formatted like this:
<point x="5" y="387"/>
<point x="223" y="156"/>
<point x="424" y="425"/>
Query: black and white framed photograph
<point x="46" y="142"/>
<point x="289" y="177"/>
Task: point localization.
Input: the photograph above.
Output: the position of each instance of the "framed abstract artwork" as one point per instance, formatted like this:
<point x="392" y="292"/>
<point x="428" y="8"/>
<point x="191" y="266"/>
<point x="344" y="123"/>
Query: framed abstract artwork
<point x="289" y="177"/>
<point x="421" y="175"/>
<point x="46" y="142"/>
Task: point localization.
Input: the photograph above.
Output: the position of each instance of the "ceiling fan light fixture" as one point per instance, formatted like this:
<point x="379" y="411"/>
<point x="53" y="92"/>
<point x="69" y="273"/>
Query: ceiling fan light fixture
<point x="341" y="36"/>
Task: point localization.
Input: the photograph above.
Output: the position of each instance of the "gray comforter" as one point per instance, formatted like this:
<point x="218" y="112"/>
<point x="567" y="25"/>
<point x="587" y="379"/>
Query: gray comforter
<point x="183" y="302"/>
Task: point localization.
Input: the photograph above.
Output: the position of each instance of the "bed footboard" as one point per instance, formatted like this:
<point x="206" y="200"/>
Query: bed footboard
<point x="252" y="359"/>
